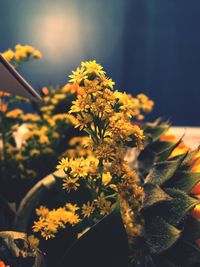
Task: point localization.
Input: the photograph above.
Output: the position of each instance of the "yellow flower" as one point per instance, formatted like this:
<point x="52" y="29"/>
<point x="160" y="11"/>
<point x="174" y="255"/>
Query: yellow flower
<point x="104" y="205"/>
<point x="72" y="207"/>
<point x="78" y="75"/>
<point x="73" y="218"/>
<point x="37" y="54"/>
<point x="87" y="209"/>
<point x="64" y="164"/>
<point x="93" y="67"/>
<point x="70" y="184"/>
<point x="106" y="178"/>
<point x="39" y="225"/>
<point x="106" y="82"/>
<point x="8" y="55"/>
<point x="31" y="117"/>
<point x="15" y="113"/>
<point x="43" y="139"/>
<point x="42" y="211"/>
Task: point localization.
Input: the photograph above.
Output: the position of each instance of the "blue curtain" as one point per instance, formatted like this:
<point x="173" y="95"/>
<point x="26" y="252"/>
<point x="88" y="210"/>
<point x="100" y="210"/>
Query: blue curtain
<point x="149" y="46"/>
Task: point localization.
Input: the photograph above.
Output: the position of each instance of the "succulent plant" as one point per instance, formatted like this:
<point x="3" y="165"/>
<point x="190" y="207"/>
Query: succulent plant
<point x="169" y="229"/>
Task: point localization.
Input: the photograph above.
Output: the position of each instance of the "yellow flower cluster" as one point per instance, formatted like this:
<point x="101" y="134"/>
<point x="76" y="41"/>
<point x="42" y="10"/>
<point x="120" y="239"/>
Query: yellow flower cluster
<point x="106" y="114"/>
<point x="51" y="221"/>
<point x="77" y="169"/>
<point x="21" y="53"/>
<point x="97" y="161"/>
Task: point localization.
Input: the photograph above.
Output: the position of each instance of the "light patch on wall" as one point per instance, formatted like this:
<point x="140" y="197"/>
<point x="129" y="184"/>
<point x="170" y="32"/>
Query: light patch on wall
<point x="58" y="34"/>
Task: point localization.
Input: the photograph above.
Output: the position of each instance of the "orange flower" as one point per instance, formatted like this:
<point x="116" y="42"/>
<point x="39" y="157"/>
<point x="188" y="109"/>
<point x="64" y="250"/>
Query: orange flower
<point x="196" y="212"/>
<point x="2" y="264"/>
<point x="45" y="90"/>
<point x="3" y="107"/>
<point x="71" y="88"/>
<point x="168" y="137"/>
<point x="180" y="149"/>
<point x="196" y="166"/>
<point x="196" y="189"/>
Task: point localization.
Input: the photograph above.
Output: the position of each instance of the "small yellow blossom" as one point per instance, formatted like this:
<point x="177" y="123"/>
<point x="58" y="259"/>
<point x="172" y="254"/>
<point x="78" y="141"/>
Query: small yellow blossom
<point x="93" y="67"/>
<point x="87" y="209"/>
<point x="42" y="211"/>
<point x="78" y="75"/>
<point x="70" y="184"/>
<point x="8" y="55"/>
<point x="106" y="178"/>
<point x="15" y="113"/>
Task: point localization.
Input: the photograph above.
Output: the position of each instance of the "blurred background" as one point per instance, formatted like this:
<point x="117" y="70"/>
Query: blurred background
<point x="149" y="46"/>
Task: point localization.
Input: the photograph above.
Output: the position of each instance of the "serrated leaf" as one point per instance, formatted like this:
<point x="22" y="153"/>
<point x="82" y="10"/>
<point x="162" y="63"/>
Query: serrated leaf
<point x="160" y="235"/>
<point x="153" y="195"/>
<point x="177" y="209"/>
<point x="187" y="160"/>
<point x="184" y="180"/>
<point x="163" y="171"/>
<point x="105" y="244"/>
<point x="163" y="155"/>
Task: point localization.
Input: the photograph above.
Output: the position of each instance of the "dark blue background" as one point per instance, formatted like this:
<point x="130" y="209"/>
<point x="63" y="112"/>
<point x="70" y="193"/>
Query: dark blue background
<point x="150" y="46"/>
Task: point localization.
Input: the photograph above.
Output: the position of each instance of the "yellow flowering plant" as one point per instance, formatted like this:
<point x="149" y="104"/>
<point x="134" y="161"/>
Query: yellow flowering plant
<point x="109" y="118"/>
<point x="27" y="139"/>
<point x="20" y="54"/>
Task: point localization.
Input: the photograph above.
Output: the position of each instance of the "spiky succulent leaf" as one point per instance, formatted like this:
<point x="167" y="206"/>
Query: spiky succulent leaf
<point x="176" y="210"/>
<point x="154" y="195"/>
<point x="160" y="235"/>
<point x="163" y="155"/>
<point x="185" y="181"/>
<point x="163" y="171"/>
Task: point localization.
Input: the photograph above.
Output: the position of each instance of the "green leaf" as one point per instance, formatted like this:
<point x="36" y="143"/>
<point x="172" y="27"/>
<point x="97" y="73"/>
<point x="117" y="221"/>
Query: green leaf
<point x="105" y="244"/>
<point x="190" y="155"/>
<point x="160" y="235"/>
<point x="163" y="171"/>
<point x="163" y="155"/>
<point x="177" y="209"/>
<point x="185" y="181"/>
<point x="153" y="195"/>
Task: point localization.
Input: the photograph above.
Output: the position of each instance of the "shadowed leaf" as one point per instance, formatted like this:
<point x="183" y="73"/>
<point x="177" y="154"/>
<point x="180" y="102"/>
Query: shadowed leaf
<point x="163" y="171"/>
<point x="176" y="210"/>
<point x="185" y="181"/>
<point x="153" y="195"/>
<point x="160" y="235"/>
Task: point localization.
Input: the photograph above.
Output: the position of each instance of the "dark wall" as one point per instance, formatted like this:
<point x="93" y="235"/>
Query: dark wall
<point x="150" y="46"/>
